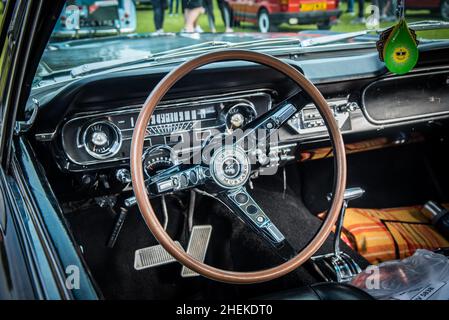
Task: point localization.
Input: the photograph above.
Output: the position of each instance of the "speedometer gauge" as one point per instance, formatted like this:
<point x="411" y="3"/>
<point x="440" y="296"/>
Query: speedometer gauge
<point x="102" y="139"/>
<point x="158" y="158"/>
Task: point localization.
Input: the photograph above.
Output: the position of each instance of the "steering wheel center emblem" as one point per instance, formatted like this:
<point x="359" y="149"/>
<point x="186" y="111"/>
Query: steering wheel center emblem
<point x="230" y="167"/>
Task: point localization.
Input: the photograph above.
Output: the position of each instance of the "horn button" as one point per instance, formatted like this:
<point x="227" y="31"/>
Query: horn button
<point x="230" y="167"/>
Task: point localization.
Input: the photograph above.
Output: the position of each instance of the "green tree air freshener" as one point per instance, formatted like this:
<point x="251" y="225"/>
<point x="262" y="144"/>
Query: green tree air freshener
<point x="398" y="48"/>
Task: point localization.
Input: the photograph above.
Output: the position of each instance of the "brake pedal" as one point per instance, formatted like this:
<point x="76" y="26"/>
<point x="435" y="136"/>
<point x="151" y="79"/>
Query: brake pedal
<point x="152" y="257"/>
<point x="197" y="247"/>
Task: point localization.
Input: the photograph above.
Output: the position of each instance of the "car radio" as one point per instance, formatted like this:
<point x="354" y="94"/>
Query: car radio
<point x="309" y="119"/>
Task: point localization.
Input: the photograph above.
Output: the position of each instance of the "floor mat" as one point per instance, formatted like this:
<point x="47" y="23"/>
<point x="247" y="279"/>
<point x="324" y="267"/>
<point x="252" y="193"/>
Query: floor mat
<point x="388" y="234"/>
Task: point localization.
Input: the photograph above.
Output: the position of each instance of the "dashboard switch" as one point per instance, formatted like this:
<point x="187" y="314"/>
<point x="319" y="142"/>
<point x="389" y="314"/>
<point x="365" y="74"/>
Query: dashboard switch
<point x="87" y="179"/>
<point x="104" y="181"/>
<point x="251" y="209"/>
<point x="241" y="198"/>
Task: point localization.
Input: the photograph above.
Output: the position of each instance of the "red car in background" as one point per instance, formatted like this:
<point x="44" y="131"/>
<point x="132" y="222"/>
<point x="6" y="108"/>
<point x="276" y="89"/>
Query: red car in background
<point x="440" y="7"/>
<point x="269" y="14"/>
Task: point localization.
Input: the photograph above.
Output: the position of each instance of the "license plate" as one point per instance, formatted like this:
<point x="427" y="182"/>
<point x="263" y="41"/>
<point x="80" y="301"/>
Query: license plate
<point x="316" y="6"/>
<point x="103" y="5"/>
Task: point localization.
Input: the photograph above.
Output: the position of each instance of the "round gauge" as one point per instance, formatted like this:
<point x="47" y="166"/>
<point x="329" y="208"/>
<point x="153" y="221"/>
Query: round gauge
<point x="102" y="139"/>
<point x="158" y="158"/>
<point x="240" y="115"/>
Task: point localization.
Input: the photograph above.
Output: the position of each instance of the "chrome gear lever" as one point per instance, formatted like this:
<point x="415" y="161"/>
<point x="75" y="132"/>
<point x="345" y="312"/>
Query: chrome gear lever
<point x="350" y="194"/>
<point x="338" y="266"/>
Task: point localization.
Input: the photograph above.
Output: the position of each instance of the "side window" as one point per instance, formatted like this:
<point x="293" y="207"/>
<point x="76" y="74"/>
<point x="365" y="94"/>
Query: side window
<point x="2" y="9"/>
<point x="2" y="15"/>
<point x="3" y="31"/>
<point x="9" y="17"/>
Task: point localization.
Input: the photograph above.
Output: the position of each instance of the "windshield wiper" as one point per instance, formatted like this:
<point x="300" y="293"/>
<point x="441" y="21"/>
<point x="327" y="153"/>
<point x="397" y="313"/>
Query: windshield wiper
<point x="417" y="26"/>
<point x="183" y="52"/>
<point x="262" y="44"/>
<point x="106" y="65"/>
<point x="427" y="25"/>
<point x="213" y="45"/>
<point x="333" y="38"/>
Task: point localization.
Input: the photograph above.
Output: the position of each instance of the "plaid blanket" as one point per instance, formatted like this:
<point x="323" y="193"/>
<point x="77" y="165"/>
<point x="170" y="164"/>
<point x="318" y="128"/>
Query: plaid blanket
<point x="388" y="234"/>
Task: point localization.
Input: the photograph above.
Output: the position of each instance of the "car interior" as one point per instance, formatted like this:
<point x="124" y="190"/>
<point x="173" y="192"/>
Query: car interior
<point x="147" y="161"/>
<point x="395" y="133"/>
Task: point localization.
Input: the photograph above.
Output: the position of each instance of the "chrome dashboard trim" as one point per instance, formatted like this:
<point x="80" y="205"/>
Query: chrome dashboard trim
<point x="197" y="101"/>
<point x="45" y="136"/>
<point x="403" y="119"/>
<point x="182" y="102"/>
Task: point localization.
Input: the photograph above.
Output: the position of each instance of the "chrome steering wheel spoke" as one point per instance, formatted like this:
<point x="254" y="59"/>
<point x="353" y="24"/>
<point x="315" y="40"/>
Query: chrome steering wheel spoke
<point x="246" y="208"/>
<point x="262" y="128"/>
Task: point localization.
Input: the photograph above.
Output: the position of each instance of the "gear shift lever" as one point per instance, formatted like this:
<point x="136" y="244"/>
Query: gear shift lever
<point x="339" y="266"/>
<point x="350" y="194"/>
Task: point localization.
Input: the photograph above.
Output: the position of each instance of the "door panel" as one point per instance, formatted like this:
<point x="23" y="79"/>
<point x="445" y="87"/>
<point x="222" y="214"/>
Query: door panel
<point x="15" y="279"/>
<point x="29" y="267"/>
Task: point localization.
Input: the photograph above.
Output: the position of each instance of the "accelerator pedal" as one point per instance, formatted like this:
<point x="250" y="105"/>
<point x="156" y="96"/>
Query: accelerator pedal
<point x="197" y="247"/>
<point x="152" y="257"/>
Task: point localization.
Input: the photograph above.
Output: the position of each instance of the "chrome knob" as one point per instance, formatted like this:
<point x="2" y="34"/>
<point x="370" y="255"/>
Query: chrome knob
<point x="237" y="120"/>
<point x="123" y="175"/>
<point x="130" y="202"/>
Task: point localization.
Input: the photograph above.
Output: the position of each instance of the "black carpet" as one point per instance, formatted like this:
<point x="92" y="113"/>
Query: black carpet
<point x="233" y="246"/>
<point x="391" y="177"/>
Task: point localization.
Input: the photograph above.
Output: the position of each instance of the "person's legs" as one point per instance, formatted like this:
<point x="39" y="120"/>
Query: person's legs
<point x="361" y="9"/>
<point x="221" y="5"/>
<point x="196" y="26"/>
<point x="160" y="21"/>
<point x="184" y="8"/>
<point x="227" y="24"/>
<point x="170" y="7"/>
<point x="158" y="14"/>
<point x="361" y="14"/>
<point x="176" y="6"/>
<point x="186" y="19"/>
<point x="380" y="4"/>
<point x="191" y="16"/>
<point x="387" y="8"/>
<point x="393" y="8"/>
<point x="389" y="11"/>
<point x="209" y="6"/>
<point x="350" y="6"/>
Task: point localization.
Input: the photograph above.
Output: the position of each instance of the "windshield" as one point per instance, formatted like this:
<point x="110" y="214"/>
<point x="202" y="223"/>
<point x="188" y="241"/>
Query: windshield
<point x="97" y="35"/>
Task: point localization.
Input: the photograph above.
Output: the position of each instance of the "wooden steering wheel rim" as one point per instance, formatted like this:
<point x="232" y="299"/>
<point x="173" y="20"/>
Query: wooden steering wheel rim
<point x="143" y="201"/>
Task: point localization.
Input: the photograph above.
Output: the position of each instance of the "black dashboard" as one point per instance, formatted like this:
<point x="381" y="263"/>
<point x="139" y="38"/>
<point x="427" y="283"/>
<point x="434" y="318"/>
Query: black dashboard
<point x="100" y="138"/>
<point x="88" y="125"/>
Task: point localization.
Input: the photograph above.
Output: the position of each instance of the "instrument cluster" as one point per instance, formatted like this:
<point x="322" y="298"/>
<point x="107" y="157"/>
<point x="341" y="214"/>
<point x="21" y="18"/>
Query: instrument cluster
<point x="96" y="140"/>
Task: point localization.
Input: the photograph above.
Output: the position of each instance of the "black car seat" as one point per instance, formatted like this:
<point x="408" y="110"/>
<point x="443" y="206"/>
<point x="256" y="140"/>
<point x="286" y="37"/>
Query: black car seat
<point x="321" y="291"/>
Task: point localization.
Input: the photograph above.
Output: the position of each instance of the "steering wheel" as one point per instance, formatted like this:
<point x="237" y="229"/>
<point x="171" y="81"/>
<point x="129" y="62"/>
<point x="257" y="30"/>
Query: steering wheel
<point x="229" y="170"/>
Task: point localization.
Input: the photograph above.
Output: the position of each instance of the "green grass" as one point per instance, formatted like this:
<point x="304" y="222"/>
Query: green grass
<point x="176" y="23"/>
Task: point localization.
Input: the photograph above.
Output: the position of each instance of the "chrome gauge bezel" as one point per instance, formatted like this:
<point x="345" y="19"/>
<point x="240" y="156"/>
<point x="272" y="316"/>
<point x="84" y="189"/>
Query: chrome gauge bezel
<point x="173" y="157"/>
<point x="115" y="146"/>
<point x="244" y="104"/>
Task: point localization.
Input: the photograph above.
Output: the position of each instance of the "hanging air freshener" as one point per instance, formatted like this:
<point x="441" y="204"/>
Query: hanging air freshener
<point x="398" y="46"/>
